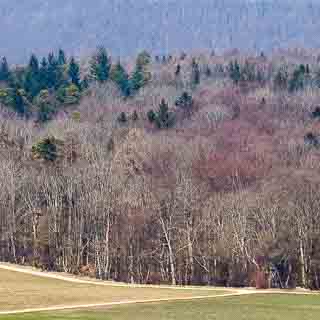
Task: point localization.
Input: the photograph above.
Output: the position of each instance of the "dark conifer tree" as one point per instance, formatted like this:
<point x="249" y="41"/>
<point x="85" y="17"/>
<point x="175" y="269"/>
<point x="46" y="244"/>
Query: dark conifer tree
<point x="135" y="115"/>
<point x="34" y="64"/>
<point x="178" y="70"/>
<point x="195" y="73"/>
<point x="55" y="72"/>
<point x="208" y="71"/>
<point x="32" y="84"/>
<point x="151" y="115"/>
<point x="120" y="77"/>
<point x="74" y="72"/>
<point x="122" y="118"/>
<point x="137" y="80"/>
<point x="185" y="102"/>
<point x="235" y="72"/>
<point x="164" y="118"/>
<point x="297" y="81"/>
<point x="4" y="70"/>
<point x="100" y="65"/>
<point x="62" y="60"/>
<point x="43" y="73"/>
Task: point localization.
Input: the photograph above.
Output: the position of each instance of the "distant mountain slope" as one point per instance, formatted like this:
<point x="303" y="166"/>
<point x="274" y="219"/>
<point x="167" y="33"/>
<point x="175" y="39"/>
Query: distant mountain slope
<point x="125" y="26"/>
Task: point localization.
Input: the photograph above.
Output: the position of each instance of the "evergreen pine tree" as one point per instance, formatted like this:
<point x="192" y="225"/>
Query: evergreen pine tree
<point x="178" y="70"/>
<point x="122" y="118"/>
<point x="43" y="73"/>
<point x="308" y="69"/>
<point x="185" y="102"/>
<point x="195" y="73"/>
<point x="140" y="75"/>
<point x="120" y="77"/>
<point x="4" y="70"/>
<point x="151" y="115"/>
<point x="164" y="118"/>
<point x="235" y="72"/>
<point x="298" y="78"/>
<point x="208" y="71"/>
<point x="135" y="115"/>
<point x="55" y="73"/>
<point x="100" y="65"/>
<point x="62" y="60"/>
<point x="74" y="72"/>
<point x="32" y="84"/>
<point x="137" y="79"/>
<point x="34" y="64"/>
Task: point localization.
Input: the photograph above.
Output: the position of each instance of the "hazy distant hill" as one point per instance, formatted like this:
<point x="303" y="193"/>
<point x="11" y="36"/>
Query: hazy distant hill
<point x="125" y="26"/>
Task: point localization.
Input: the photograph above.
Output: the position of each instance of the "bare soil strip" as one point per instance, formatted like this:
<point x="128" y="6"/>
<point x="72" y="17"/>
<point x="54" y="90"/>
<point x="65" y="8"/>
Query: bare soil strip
<point x="110" y="304"/>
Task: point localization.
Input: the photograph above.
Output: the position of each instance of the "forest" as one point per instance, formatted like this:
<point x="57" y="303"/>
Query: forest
<point x="191" y="168"/>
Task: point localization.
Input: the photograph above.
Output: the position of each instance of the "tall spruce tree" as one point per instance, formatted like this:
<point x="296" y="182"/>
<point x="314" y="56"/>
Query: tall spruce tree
<point x="34" y="64"/>
<point x="43" y="73"/>
<point x="62" y="60"/>
<point x="32" y="84"/>
<point x="297" y="80"/>
<point x="4" y="70"/>
<point x="137" y="79"/>
<point x="55" y="76"/>
<point x="120" y="77"/>
<point x="235" y="72"/>
<point x="195" y="73"/>
<point x="74" y="72"/>
<point x="141" y="74"/>
<point x="164" y="118"/>
<point x="100" y="65"/>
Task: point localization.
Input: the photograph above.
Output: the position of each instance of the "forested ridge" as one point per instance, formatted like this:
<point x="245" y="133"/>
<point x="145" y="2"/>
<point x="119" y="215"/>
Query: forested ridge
<point x="125" y="26"/>
<point x="178" y="168"/>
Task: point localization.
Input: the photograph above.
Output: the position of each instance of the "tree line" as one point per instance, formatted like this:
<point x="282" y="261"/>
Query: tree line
<point x="46" y="85"/>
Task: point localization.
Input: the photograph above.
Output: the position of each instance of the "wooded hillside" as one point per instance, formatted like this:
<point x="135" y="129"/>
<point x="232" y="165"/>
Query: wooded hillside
<point x="181" y="169"/>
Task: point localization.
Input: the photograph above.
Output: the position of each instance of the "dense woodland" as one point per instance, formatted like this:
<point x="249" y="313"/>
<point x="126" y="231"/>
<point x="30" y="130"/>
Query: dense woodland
<point x="182" y="169"/>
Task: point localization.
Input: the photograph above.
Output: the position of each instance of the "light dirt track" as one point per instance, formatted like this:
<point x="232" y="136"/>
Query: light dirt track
<point x="233" y="292"/>
<point x="110" y="304"/>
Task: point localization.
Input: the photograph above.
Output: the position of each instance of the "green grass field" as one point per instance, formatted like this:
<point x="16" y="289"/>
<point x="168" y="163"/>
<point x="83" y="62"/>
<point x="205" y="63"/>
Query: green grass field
<point x="253" y="307"/>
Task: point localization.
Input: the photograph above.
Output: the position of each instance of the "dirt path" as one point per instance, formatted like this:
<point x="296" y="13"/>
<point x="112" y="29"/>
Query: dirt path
<point x="233" y="291"/>
<point x="110" y="304"/>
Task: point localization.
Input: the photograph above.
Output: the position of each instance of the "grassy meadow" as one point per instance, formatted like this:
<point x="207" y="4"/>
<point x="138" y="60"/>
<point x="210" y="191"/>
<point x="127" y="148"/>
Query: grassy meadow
<point x="253" y="307"/>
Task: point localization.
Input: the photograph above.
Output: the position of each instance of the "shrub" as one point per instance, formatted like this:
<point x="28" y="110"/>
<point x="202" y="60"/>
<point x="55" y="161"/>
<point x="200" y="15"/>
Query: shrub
<point x="45" y="149"/>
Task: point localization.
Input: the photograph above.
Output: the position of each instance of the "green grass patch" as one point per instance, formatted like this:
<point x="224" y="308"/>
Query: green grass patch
<point x="253" y="307"/>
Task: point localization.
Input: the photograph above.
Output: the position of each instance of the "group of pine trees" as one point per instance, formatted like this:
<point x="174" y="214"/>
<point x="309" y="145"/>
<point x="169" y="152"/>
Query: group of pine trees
<point x="298" y="79"/>
<point x="44" y="85"/>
